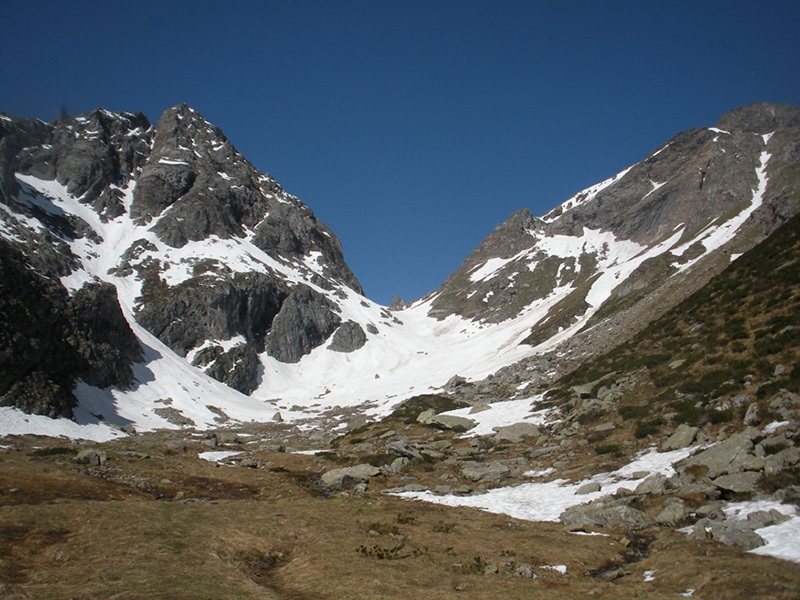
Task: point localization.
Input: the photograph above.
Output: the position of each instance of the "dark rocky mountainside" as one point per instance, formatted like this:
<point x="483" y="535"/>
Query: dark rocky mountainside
<point x="178" y="182"/>
<point x="49" y="339"/>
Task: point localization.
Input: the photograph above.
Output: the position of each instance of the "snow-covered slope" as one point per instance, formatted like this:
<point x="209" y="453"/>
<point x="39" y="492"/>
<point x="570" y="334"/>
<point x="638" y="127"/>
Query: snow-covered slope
<point x="216" y="266"/>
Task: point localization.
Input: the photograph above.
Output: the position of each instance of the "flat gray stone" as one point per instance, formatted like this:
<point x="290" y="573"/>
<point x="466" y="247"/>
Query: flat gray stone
<point x="451" y="422"/>
<point x="338" y="477"/>
<point x="739" y="483"/>
<point x="516" y="432"/>
<point x="485" y="472"/>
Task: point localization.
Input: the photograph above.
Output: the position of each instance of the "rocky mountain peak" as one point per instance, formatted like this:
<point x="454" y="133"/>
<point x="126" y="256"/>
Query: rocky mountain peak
<point x="760" y="118"/>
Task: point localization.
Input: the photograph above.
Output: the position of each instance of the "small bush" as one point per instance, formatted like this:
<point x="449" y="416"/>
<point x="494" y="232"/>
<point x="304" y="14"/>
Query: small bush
<point x="608" y="449"/>
<point x="633" y="412"/>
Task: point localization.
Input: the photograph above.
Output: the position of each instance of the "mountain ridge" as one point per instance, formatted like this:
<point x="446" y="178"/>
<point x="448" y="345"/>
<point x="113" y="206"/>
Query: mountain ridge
<point x="238" y="277"/>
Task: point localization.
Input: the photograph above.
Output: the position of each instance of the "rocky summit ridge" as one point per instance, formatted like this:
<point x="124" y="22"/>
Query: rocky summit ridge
<point x="214" y="273"/>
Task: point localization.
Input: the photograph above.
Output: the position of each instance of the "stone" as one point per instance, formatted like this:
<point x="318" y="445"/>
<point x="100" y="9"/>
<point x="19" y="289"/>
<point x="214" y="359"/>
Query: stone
<point x="425" y="416"/>
<point x="481" y="472"/>
<point x="228" y="437"/>
<point x="614" y="516"/>
<point x="683" y="437"/>
<point x="723" y="457"/>
<point x="736" y="534"/>
<point x="90" y="457"/>
<point x="339" y="477"/>
<point x="453" y="423"/>
<point x="751" y="416"/>
<point x="588" y="488"/>
<point x="516" y="432"/>
<point x="738" y="483"/>
<point x="672" y="515"/>
<point x="654" y="485"/>
<point x="403" y="449"/>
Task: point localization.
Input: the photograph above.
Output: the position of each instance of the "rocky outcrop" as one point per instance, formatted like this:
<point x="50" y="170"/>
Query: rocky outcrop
<point x="305" y="321"/>
<point x="348" y="337"/>
<point x="49" y="340"/>
<point x="212" y="307"/>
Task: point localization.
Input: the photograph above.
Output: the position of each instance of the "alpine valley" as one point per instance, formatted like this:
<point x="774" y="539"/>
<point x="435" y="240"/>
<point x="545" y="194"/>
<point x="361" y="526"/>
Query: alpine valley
<point x="154" y="285"/>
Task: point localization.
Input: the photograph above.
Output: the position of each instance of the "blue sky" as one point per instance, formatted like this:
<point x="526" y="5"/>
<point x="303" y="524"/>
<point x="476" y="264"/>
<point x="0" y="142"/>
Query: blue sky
<point x="412" y="128"/>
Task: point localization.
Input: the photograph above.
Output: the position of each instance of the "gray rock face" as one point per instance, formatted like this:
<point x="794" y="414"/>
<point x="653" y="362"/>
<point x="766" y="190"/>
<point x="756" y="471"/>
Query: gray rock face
<point x="305" y="321"/>
<point x="348" y="337"/>
<point x="237" y="368"/>
<point x="211" y="307"/>
<point x="48" y="340"/>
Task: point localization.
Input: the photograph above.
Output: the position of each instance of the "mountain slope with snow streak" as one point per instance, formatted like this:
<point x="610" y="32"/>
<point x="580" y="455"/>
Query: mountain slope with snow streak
<point x="227" y="279"/>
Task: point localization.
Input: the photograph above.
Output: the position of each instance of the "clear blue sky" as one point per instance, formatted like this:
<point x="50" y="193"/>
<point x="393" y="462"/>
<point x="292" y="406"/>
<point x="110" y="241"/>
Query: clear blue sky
<point x="412" y="128"/>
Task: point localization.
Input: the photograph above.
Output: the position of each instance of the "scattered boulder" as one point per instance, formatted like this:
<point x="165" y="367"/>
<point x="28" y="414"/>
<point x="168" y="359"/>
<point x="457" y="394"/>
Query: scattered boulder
<point x="403" y="449"/>
<point x="724" y="457"/>
<point x="91" y="457"/>
<point x="655" y="485"/>
<point x="751" y="416"/>
<point x="738" y="483"/>
<point x="682" y="438"/>
<point x="606" y="516"/>
<point x="480" y="472"/>
<point x="338" y="477"/>
<point x="451" y="422"/>
<point x="516" y="432"/>
<point x="588" y="488"/>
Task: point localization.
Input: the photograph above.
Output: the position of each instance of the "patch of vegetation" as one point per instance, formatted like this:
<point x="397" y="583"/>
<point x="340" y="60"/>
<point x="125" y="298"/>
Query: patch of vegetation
<point x="54" y="451"/>
<point x="613" y="449"/>
<point x="383" y="528"/>
<point x="592" y="416"/>
<point x="406" y="519"/>
<point x="442" y="527"/>
<point x="633" y="412"/>
<point x="651" y="427"/>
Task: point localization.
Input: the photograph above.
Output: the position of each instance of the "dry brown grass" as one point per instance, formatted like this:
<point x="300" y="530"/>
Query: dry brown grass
<point x="68" y="532"/>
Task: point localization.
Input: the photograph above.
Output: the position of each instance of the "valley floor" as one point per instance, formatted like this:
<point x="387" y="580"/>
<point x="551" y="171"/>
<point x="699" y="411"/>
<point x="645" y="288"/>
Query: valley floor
<point x="157" y="515"/>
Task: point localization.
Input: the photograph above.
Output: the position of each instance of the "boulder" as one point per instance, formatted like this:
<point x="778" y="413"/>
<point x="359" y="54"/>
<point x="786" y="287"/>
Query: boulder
<point x="516" y="432"/>
<point x="653" y="485"/>
<point x="480" y="472"/>
<point x="588" y="488"/>
<point x="401" y="448"/>
<point x="751" y="416"/>
<point x="738" y="483"/>
<point x="451" y="422"/>
<point x="339" y="477"/>
<point x="613" y="516"/>
<point x="682" y="438"/>
<point x="672" y="515"/>
<point x="723" y="457"/>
